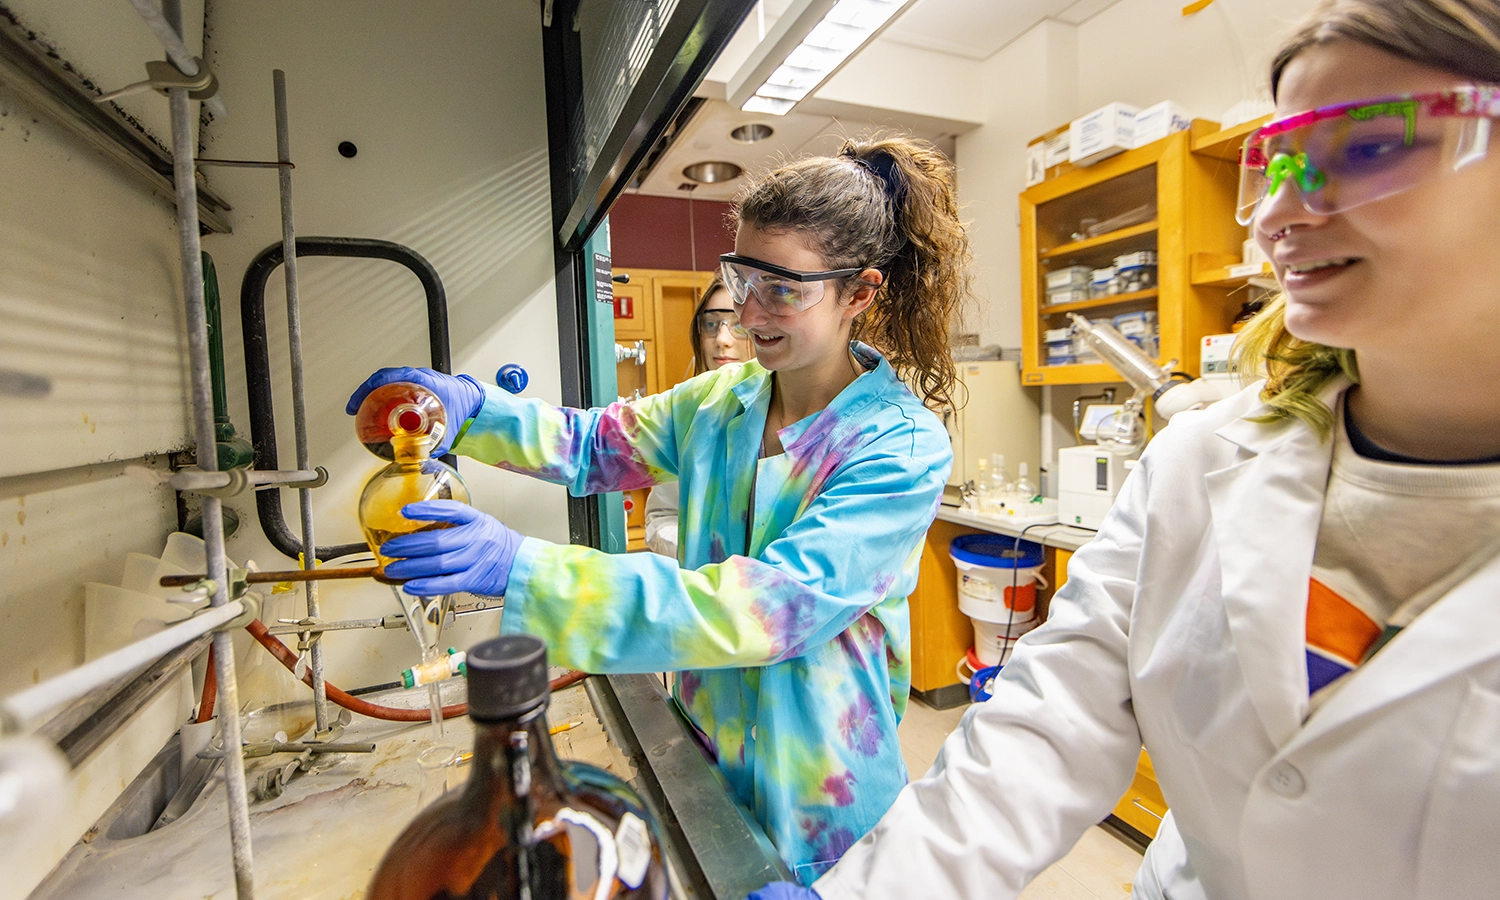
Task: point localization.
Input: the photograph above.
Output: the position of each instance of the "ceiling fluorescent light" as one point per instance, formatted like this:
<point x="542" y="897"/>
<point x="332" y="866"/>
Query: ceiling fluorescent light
<point x="811" y="41"/>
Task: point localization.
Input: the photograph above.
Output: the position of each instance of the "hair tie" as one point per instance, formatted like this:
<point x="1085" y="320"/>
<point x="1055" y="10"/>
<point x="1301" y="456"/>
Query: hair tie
<point x="883" y="167"/>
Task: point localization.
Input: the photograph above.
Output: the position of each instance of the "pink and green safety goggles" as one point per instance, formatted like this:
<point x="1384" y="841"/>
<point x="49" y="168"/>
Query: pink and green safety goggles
<point x="1338" y="157"/>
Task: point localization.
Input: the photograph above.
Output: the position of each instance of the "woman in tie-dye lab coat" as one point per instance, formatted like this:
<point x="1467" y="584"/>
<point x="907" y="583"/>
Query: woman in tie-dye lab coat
<point x="808" y="479"/>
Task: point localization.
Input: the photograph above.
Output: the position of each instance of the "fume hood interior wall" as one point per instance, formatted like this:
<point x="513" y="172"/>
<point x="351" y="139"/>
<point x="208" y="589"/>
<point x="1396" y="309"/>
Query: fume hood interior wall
<point x="445" y="104"/>
<point x="90" y="301"/>
<point x="90" y="298"/>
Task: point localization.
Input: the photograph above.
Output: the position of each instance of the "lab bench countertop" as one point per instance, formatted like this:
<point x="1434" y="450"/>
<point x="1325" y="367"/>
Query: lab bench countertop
<point x="323" y="836"/>
<point x="1063" y="537"/>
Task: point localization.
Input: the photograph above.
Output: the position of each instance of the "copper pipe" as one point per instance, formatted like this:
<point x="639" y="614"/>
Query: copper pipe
<point x="289" y="575"/>
<point x="279" y="650"/>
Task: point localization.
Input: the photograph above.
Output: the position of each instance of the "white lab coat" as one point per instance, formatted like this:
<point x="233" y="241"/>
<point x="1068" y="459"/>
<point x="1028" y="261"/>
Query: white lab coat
<point x="1182" y="626"/>
<point x="662" y="506"/>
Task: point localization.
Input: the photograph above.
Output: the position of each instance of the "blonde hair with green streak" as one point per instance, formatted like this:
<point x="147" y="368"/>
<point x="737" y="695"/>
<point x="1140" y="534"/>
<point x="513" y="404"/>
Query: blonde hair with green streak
<point x="1460" y="36"/>
<point x="1296" y="371"/>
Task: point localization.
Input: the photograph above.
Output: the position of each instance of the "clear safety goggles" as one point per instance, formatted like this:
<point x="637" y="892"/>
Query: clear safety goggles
<point x="710" y="322"/>
<point x="781" y="292"/>
<point x="1338" y="157"/>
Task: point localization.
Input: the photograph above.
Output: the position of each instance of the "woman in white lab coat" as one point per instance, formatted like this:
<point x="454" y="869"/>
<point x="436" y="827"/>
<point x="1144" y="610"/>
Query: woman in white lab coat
<point x="1295" y="602"/>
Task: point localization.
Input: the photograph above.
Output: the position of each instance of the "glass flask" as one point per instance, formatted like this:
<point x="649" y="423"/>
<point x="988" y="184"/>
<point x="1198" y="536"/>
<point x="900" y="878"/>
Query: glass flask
<point x="413" y="476"/>
<point x="526" y="824"/>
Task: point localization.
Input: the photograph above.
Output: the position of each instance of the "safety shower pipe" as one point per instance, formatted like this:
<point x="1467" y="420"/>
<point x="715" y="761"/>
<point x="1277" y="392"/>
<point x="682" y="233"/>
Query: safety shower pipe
<point x="299" y="394"/>
<point x="184" y="181"/>
<point x="23" y="711"/>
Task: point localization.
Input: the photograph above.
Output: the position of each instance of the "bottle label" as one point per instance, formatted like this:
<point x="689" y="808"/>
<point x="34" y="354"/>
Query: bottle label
<point x="633" y="844"/>
<point x="596" y="873"/>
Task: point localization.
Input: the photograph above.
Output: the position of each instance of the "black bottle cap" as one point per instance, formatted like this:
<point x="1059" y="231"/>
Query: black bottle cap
<point x="507" y="677"/>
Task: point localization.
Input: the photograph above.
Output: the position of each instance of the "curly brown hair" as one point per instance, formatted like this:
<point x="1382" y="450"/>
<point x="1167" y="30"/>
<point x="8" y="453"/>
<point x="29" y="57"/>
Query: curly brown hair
<point x="888" y="203"/>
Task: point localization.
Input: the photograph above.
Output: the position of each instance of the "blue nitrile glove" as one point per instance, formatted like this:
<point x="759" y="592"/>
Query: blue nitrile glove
<point x="474" y="555"/>
<point x="462" y="397"/>
<point x="784" y="890"/>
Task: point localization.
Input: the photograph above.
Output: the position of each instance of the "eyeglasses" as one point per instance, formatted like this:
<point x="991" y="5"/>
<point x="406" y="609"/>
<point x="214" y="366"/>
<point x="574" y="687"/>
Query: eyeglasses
<point x="710" y="321"/>
<point x="1339" y="157"/>
<point x="781" y="292"/>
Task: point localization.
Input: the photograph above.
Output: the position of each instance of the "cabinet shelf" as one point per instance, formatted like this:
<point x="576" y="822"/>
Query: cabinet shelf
<point x="1194" y="235"/>
<point x="1232" y="276"/>
<point x="1103" y="240"/>
<point x="1071" y="373"/>
<point x="1112" y="300"/>
<point x="1226" y="144"/>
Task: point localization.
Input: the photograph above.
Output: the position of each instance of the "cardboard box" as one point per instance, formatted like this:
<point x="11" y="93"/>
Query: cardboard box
<point x="1156" y="122"/>
<point x="1101" y="134"/>
<point x="1047" y="155"/>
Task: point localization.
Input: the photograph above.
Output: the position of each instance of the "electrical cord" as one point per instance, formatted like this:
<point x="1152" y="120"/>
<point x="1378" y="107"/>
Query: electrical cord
<point x="977" y="681"/>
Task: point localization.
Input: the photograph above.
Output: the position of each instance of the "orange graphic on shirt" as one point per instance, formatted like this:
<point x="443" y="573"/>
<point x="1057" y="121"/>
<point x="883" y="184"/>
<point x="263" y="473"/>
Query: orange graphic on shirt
<point x="1337" y="627"/>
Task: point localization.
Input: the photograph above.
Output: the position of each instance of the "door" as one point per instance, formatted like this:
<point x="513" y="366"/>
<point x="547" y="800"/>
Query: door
<point x="676" y="296"/>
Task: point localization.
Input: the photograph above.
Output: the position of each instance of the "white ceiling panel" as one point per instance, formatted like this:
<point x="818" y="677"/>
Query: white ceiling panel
<point x="707" y="138"/>
<point x="978" y="28"/>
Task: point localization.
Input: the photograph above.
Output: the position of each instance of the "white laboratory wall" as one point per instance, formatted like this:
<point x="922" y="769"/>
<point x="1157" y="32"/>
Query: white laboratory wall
<point x="1144" y="51"/>
<point x="1137" y="51"/>
<point x="896" y="82"/>
<point x="1029" y="87"/>
<point x="445" y="103"/>
<point x="90" y="302"/>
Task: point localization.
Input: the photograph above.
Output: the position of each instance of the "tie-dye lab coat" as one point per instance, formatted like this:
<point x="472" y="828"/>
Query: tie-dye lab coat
<point x="794" y="652"/>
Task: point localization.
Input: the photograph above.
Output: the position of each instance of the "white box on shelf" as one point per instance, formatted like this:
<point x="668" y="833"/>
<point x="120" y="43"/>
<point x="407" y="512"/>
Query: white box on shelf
<point x="1072" y="276"/>
<point x="1036" y="165"/>
<point x="1156" y="122"/>
<point x="1057" y="149"/>
<point x="1102" y="133"/>
<point x="1214" y="357"/>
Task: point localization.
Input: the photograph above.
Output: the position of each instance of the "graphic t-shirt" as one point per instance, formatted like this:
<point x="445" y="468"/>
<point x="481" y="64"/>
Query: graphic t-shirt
<point x="1395" y="537"/>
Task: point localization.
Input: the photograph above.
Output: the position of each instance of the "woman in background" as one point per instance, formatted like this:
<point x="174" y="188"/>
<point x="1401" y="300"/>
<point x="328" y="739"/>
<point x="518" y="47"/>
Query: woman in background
<point x="718" y="340"/>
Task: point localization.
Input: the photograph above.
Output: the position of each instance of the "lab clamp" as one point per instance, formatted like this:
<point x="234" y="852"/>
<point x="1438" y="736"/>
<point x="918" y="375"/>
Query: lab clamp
<point x="1090" y="475"/>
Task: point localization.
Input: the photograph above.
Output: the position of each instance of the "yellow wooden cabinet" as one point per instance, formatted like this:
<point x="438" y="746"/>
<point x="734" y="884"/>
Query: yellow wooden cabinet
<point x="653" y="323"/>
<point x="675" y="296"/>
<point x="1187" y="188"/>
<point x="634" y="308"/>
<point x="940" y="633"/>
<point x="1143" y="806"/>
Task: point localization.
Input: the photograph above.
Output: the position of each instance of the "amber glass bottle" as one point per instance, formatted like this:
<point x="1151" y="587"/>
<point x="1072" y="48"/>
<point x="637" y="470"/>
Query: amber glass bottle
<point x="398" y="408"/>
<point x="526" y="824"/>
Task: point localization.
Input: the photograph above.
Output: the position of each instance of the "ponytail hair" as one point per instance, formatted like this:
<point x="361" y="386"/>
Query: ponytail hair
<point x="888" y="203"/>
